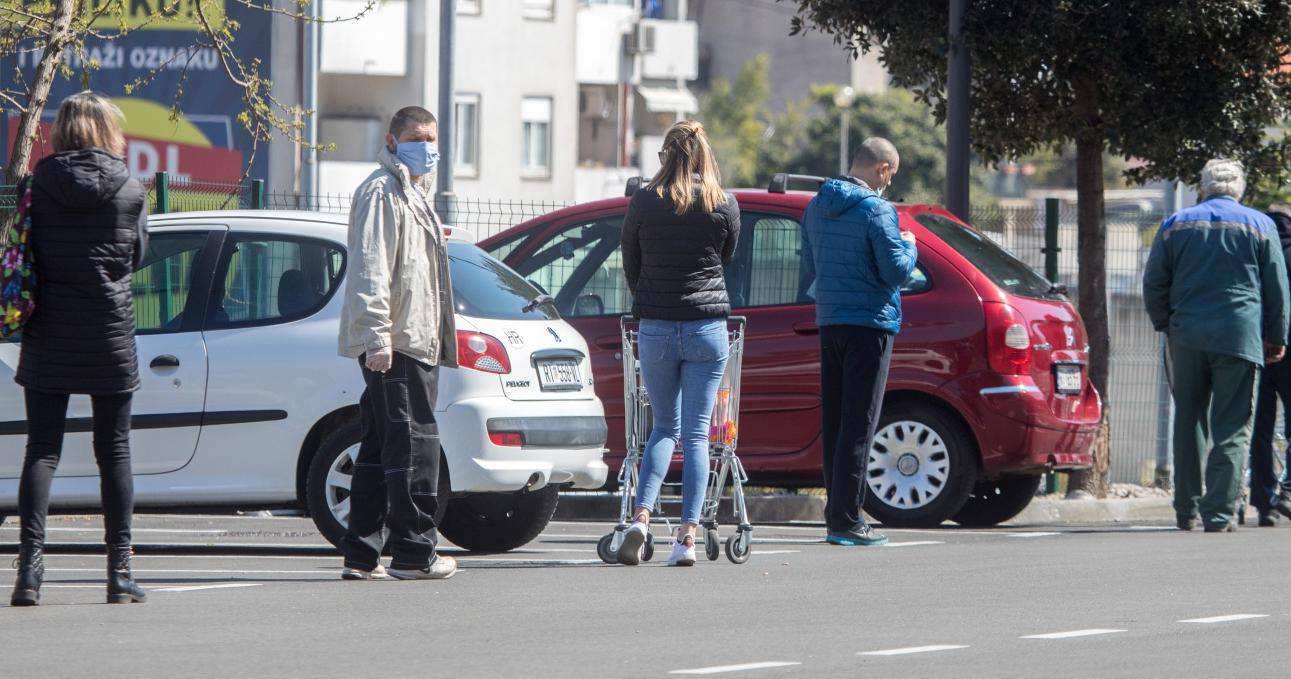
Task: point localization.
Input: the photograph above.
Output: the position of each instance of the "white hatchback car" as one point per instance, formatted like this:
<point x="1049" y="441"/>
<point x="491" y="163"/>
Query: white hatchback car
<point x="245" y="401"/>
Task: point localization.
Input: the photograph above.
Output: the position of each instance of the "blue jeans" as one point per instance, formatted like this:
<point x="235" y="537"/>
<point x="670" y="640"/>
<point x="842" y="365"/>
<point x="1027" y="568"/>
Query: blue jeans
<point x="681" y="365"/>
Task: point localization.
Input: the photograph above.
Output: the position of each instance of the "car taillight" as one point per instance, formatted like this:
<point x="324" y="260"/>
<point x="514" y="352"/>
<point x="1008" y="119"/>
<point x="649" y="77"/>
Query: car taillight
<point x="509" y="439"/>
<point x="1008" y="342"/>
<point x="478" y="351"/>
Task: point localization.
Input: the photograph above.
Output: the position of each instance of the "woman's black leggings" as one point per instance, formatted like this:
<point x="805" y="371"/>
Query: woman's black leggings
<point x="46" y="423"/>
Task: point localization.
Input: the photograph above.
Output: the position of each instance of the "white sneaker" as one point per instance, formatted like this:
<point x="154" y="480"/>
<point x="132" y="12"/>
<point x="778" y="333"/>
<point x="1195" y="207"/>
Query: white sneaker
<point x="634" y="536"/>
<point x="682" y="554"/>
<point x="378" y="573"/>
<point x="443" y="568"/>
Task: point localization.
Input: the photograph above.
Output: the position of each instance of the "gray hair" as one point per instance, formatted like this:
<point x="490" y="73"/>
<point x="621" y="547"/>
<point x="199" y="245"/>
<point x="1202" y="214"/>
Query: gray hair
<point x="875" y="150"/>
<point x="1223" y="177"/>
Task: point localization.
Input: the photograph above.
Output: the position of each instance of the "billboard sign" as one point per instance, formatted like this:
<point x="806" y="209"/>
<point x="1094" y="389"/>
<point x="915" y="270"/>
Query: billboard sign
<point x="143" y="70"/>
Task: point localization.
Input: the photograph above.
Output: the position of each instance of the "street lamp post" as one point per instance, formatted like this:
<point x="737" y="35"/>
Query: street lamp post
<point x="843" y="99"/>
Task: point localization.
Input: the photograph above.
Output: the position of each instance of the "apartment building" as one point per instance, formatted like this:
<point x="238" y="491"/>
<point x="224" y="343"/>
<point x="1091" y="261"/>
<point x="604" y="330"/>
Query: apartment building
<point x="554" y="99"/>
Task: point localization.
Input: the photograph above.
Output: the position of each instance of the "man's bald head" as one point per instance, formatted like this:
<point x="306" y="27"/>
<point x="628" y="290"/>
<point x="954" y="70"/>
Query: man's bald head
<point x="875" y="162"/>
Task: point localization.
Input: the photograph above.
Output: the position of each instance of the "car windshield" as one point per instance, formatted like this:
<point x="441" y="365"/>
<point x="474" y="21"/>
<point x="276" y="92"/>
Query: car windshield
<point x="1007" y="271"/>
<point x="483" y="287"/>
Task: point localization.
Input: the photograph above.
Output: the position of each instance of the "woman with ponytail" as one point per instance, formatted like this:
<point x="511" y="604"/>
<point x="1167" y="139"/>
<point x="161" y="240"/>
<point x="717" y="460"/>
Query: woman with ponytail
<point x="679" y="233"/>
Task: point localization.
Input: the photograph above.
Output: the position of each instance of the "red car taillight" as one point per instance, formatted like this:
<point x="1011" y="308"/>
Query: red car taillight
<point x="478" y="351"/>
<point x="1008" y="342"/>
<point x="507" y="439"/>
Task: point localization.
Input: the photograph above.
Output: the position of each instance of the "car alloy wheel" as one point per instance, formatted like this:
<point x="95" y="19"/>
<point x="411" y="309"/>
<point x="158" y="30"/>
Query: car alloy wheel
<point x="340" y="477"/>
<point x="908" y="466"/>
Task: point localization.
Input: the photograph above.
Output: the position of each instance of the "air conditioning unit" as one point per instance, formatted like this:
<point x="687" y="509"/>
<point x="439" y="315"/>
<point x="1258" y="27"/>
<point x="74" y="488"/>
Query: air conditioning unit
<point x="642" y="39"/>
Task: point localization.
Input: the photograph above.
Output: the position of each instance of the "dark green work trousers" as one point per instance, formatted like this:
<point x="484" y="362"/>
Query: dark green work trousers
<point x="1214" y="398"/>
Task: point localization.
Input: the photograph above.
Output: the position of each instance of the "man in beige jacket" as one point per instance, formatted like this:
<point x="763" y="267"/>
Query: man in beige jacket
<point x="398" y="323"/>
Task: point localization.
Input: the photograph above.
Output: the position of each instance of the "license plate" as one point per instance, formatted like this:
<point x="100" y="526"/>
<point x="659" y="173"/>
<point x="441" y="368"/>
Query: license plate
<point x="1069" y="379"/>
<point x="559" y="374"/>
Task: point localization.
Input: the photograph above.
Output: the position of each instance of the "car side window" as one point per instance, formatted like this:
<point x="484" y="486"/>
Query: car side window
<point x="776" y="260"/>
<point x="272" y="279"/>
<point x="778" y="275"/>
<point x="581" y="266"/>
<point x="163" y="281"/>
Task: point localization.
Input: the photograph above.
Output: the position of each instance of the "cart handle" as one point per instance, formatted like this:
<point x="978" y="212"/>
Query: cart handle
<point x="742" y="321"/>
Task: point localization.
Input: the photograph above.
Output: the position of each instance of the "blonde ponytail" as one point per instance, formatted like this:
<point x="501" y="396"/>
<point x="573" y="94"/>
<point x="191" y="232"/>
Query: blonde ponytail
<point x="687" y="155"/>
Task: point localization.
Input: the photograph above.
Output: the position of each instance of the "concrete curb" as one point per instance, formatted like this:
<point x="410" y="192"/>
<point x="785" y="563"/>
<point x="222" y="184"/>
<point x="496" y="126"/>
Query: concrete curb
<point x="1052" y="509"/>
<point x="1046" y="510"/>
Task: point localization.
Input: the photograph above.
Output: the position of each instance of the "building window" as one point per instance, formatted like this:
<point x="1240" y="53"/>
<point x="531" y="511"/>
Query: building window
<point x="538" y="9"/>
<point x="535" y="115"/>
<point x="466" y="135"/>
<point x="469" y="7"/>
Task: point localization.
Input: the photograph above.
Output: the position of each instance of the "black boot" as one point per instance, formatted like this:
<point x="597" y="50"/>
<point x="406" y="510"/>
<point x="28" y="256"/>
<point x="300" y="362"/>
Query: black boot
<point x="31" y="572"/>
<point x="121" y="587"/>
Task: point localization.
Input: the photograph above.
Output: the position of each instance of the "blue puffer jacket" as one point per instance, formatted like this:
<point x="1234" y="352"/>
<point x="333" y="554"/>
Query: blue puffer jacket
<point x="855" y="254"/>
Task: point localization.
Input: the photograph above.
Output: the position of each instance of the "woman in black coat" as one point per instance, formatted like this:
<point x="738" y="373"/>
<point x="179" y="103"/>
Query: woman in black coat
<point x="679" y="233"/>
<point x="87" y="234"/>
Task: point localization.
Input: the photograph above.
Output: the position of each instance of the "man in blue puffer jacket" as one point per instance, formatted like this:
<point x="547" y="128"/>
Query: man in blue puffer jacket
<point x="858" y="258"/>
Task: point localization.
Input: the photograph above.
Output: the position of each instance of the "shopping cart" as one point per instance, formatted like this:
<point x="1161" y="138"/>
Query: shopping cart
<point x="724" y="466"/>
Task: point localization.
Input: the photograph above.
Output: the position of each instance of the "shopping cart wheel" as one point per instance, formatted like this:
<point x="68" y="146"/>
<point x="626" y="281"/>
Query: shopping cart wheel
<point x="647" y="550"/>
<point x="739" y="546"/>
<point x="604" y="551"/>
<point x="712" y="544"/>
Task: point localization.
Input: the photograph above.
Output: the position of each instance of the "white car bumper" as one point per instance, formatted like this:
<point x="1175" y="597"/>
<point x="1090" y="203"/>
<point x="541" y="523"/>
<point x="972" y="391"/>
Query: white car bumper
<point x="485" y="467"/>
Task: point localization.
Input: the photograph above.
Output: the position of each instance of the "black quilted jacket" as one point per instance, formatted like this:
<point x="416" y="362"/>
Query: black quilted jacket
<point x="674" y="263"/>
<point x="87" y="232"/>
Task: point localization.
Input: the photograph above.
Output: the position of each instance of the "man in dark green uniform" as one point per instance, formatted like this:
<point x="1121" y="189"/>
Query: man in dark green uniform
<point x="1216" y="284"/>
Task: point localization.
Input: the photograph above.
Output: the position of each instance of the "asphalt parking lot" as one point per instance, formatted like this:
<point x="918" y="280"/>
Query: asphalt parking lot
<point x="252" y="596"/>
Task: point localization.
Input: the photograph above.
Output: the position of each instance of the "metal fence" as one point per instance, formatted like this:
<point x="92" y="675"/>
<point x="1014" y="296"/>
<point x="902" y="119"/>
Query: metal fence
<point x="482" y="216"/>
<point x="1137" y="395"/>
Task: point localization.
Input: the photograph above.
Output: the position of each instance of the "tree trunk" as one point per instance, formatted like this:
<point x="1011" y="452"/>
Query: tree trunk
<point x="1091" y="252"/>
<point x="60" y="35"/>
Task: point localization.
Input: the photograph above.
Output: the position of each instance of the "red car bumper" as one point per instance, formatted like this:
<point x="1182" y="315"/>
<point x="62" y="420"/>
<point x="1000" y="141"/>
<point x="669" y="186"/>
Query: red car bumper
<point x="1021" y="430"/>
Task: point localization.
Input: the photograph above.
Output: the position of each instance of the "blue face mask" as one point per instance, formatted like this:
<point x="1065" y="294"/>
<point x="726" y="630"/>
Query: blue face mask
<point x="420" y="157"/>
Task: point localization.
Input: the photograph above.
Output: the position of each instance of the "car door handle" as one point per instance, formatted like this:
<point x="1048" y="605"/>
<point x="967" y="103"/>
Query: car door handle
<point x="806" y="328"/>
<point x="609" y="342"/>
<point x="164" y="361"/>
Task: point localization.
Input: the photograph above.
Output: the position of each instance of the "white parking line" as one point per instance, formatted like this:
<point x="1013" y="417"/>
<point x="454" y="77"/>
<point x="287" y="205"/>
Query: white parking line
<point x="914" y="649"/>
<point x="1031" y="535"/>
<point x="99" y="529"/>
<point x="1073" y="634"/>
<point x="1225" y="618"/>
<point x="914" y="543"/>
<point x="194" y="588"/>
<point x="719" y="669"/>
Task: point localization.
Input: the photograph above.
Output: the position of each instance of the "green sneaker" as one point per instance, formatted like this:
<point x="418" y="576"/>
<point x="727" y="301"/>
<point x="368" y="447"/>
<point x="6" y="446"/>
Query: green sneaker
<point x="863" y="535"/>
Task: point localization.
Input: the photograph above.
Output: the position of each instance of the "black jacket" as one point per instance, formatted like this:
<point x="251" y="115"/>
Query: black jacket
<point x="87" y="231"/>
<point x="674" y="262"/>
<point x="1281" y="215"/>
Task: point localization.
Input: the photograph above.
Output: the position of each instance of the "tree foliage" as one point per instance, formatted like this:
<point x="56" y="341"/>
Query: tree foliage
<point x="734" y="114"/>
<point x="1176" y="82"/>
<point x="752" y="143"/>
<point x="810" y="143"/>
<point x="55" y="32"/>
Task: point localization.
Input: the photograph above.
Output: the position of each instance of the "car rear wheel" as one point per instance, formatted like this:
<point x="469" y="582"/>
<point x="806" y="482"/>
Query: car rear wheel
<point x="331" y="474"/>
<point x="922" y="466"/>
<point x="996" y="501"/>
<point x="498" y="522"/>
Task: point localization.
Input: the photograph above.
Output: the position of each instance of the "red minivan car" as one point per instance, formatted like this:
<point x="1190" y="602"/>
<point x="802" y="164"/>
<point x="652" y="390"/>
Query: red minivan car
<point x="988" y="386"/>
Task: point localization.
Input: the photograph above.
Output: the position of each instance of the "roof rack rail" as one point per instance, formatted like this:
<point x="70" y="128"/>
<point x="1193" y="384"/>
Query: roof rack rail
<point x="634" y="183"/>
<point x="780" y="182"/>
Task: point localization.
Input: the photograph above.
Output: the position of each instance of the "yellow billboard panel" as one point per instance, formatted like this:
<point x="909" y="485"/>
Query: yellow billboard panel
<point x="157" y="15"/>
